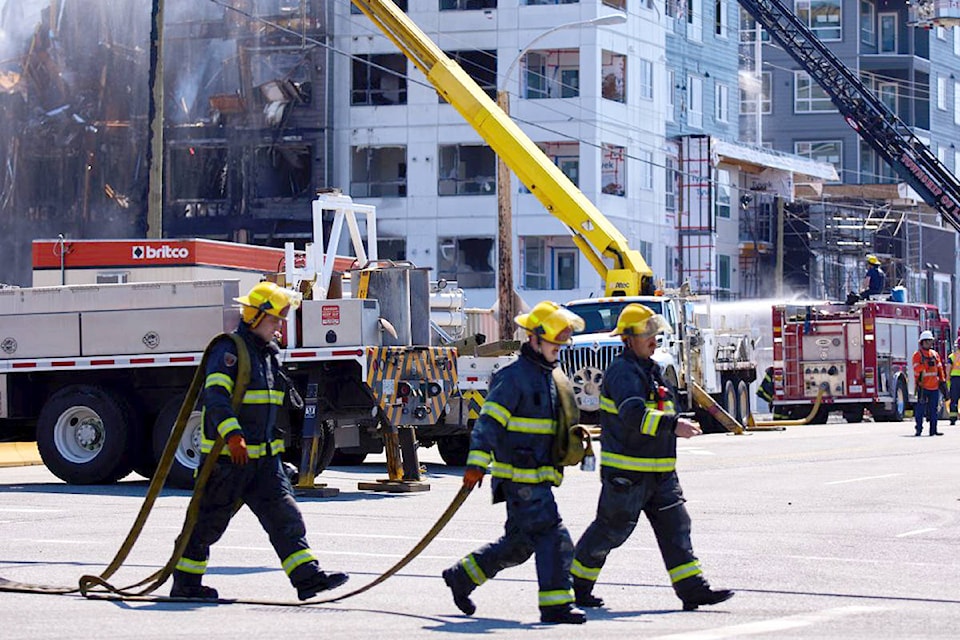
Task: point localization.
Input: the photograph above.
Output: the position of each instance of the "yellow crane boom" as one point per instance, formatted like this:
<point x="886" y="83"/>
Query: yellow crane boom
<point x="592" y="232"/>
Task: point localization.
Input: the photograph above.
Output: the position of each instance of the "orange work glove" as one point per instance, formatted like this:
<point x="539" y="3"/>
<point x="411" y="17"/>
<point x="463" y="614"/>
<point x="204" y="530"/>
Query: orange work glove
<point x="238" y="449"/>
<point x="473" y="477"/>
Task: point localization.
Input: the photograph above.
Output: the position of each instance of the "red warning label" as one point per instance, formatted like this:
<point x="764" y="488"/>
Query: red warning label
<point x="330" y="314"/>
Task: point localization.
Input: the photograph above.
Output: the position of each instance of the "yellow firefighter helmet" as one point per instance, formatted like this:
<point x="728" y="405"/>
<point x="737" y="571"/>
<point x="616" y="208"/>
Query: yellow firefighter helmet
<point x="267" y="298"/>
<point x="551" y="322"/>
<point x="640" y="320"/>
<point x="872" y="259"/>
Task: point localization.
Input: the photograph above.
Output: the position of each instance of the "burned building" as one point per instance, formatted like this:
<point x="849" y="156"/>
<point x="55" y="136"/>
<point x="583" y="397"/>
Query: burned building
<point x="246" y="120"/>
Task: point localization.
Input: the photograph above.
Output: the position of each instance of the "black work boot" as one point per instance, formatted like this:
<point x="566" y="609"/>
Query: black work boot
<point x="320" y="581"/>
<point x="461" y="595"/>
<point x="704" y="595"/>
<point x="583" y="592"/>
<point x="562" y="614"/>
<point x="186" y="588"/>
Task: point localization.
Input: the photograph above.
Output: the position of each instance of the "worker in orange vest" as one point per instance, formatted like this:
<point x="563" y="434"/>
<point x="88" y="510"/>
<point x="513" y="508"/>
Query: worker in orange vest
<point x="931" y="380"/>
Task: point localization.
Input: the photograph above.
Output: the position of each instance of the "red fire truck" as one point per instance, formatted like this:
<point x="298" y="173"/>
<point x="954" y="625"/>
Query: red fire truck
<point x="858" y="354"/>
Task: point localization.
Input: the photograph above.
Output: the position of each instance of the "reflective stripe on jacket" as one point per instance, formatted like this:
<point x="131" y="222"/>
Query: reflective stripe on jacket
<point x="637" y="417"/>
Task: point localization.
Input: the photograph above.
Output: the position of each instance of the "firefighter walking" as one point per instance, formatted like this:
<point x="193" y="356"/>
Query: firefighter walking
<point x="249" y="470"/>
<point x="514" y="437"/>
<point x="638" y="467"/>
<point x="954" y="375"/>
<point x="931" y="381"/>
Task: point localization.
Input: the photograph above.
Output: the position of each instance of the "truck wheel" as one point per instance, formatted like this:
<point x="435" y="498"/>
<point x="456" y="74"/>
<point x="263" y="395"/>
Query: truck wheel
<point x="730" y="399"/>
<point x="899" y="403"/>
<point x="83" y="435"/>
<point x="454" y="450"/>
<point x="186" y="458"/>
<point x="743" y="402"/>
<point x="853" y="415"/>
<point x="822" y="414"/>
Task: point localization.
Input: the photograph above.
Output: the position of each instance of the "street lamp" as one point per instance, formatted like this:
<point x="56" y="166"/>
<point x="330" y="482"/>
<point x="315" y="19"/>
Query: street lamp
<point x="504" y="192"/>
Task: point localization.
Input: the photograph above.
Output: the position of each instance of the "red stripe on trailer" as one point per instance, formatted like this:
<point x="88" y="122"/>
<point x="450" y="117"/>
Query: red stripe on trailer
<point x="24" y="365"/>
<point x="97" y="363"/>
<point x="142" y="360"/>
<point x="351" y="352"/>
<point x="303" y="354"/>
<point x="63" y="363"/>
<point x="182" y="359"/>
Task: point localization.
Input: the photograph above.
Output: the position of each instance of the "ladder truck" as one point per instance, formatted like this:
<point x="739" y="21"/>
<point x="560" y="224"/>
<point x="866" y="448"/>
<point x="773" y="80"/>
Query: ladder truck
<point x="873" y="121"/>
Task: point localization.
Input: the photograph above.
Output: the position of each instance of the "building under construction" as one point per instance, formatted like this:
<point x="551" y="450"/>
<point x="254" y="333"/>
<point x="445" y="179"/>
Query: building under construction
<point x="245" y="107"/>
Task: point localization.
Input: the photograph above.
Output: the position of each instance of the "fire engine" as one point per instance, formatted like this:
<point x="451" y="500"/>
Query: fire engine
<point x="858" y="354"/>
<point x="99" y="363"/>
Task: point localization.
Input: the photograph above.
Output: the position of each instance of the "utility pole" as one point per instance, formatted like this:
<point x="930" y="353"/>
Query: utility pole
<point x="779" y="270"/>
<point x="504" y="237"/>
<point x="155" y="139"/>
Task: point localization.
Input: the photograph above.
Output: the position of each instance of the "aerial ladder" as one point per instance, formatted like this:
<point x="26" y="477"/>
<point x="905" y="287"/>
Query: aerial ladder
<point x="592" y="232"/>
<point x="876" y="124"/>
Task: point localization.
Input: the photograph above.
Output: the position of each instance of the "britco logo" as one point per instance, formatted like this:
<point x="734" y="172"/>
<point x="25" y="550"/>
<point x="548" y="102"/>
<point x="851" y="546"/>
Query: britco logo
<point x="164" y="251"/>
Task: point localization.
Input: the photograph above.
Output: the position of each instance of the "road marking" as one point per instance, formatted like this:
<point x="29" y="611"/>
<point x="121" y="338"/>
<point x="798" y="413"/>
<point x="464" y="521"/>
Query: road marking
<point x="889" y="475"/>
<point x="770" y="626"/>
<point x="915" y="532"/>
<point x="325" y="552"/>
<point x="696" y="451"/>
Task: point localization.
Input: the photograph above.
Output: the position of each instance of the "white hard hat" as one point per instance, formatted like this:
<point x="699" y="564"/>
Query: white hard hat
<point x="926" y="335"/>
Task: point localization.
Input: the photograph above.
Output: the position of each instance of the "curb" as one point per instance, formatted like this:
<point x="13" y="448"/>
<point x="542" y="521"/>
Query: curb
<point x="19" y="454"/>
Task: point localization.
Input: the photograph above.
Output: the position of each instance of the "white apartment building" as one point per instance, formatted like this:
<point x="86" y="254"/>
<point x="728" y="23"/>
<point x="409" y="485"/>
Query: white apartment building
<point x="590" y="95"/>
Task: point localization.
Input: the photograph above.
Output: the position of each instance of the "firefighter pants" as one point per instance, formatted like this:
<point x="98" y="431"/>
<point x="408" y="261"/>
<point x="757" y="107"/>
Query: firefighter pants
<point x="622" y="499"/>
<point x="264" y="487"/>
<point x="533" y="527"/>
<point x="927" y="406"/>
<point x="954" y="397"/>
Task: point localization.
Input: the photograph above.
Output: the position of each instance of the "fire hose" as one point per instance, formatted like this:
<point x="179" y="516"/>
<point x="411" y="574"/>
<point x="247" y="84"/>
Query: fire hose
<point x="99" y="588"/>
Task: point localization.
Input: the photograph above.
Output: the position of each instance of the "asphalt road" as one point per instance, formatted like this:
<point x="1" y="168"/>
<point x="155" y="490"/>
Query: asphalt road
<point x="832" y="531"/>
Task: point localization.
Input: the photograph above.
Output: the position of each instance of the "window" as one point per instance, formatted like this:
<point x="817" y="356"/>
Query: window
<point x="749" y="96"/>
<point x="479" y="65"/>
<point x="614" y="77"/>
<point x="868" y="18"/>
<point x="282" y="171"/>
<point x="551" y="74"/>
<point x="808" y="96"/>
<point x="646" y="79"/>
<point x="941" y="33"/>
<point x="549" y="262"/>
<point x="720" y="18"/>
<point x="821" y="150"/>
<point x="646" y="250"/>
<point x="941" y="93"/>
<point x="646" y="169"/>
<point x="195" y="173"/>
<point x="566" y="155"/>
<point x="379" y="79"/>
<point x="616" y="4"/>
<point x="695" y="20"/>
<point x="722" y="100"/>
<point x="670" y="186"/>
<point x="822" y="16"/>
<point x="956" y="42"/>
<point x="694" y="102"/>
<point x="887" y="92"/>
<point x="748" y="29"/>
<point x="722" y="193"/>
<point x="392" y="249"/>
<point x="378" y="172"/>
<point x="613" y="170"/>
<point x="723" y="272"/>
<point x="467" y="170"/>
<point x="467" y="5"/>
<point x="468" y="261"/>
<point x="888" y="33"/>
<point x="113" y="277"/>
<point x="956" y="102"/>
<point x="669" y="267"/>
<point x="671" y="105"/>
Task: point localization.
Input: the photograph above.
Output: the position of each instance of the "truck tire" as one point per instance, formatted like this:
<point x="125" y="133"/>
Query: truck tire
<point x="83" y="435"/>
<point x="454" y="450"/>
<point x="730" y="399"/>
<point x="899" y="402"/>
<point x="853" y="415"/>
<point x="186" y="458"/>
<point x="743" y="402"/>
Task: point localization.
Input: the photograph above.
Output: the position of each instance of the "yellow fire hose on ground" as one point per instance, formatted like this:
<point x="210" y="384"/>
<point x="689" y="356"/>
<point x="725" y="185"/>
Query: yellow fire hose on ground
<point x="98" y="587"/>
<point x="760" y="424"/>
